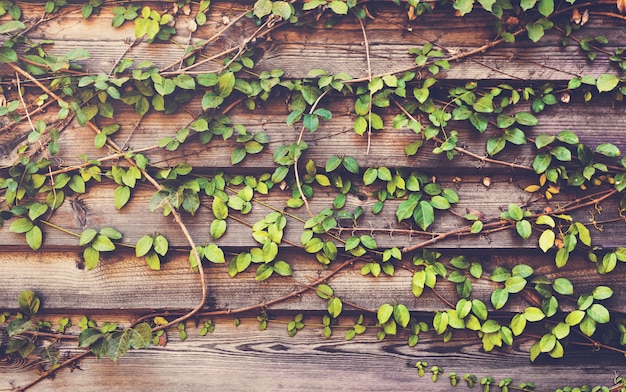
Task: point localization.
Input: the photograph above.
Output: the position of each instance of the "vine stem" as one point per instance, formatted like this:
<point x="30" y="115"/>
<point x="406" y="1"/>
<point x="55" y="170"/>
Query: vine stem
<point x="214" y="37"/>
<point x="150" y="179"/>
<point x="464" y="151"/>
<point x="293" y="294"/>
<point x="49" y="372"/>
<point x="297" y="157"/>
<point x="369" y="77"/>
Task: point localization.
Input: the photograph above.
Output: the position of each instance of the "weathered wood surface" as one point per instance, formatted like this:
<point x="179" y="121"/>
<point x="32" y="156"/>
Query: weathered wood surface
<point x="390" y="35"/>
<point x="135" y="220"/>
<point x="244" y="359"/>
<point x="334" y="137"/>
<point x="122" y="281"/>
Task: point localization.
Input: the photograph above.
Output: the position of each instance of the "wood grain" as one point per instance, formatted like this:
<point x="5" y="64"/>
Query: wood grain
<point x="244" y="359"/>
<point x="123" y="282"/>
<point x="135" y="220"/>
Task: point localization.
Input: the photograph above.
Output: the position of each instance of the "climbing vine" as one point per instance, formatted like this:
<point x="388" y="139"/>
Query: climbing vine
<point x="47" y="92"/>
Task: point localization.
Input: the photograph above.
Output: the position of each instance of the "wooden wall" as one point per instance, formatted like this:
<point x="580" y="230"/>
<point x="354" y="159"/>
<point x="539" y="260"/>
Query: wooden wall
<point x="122" y="288"/>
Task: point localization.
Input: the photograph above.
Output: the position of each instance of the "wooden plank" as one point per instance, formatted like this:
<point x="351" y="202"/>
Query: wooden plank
<point x="244" y="359"/>
<point x="390" y="36"/>
<point x="123" y="282"/>
<point x="96" y="209"/>
<point x="335" y="137"/>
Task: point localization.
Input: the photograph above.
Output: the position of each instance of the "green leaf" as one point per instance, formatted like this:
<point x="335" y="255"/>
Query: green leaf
<point x="484" y="104"/>
<point x="237" y="155"/>
<point x="547" y="343"/>
<point x="599" y="313"/>
<point x="608" y="149"/>
<point x="588" y="326"/>
<point x="535" y="31"/>
<point x="87" y="236"/>
<point x="370" y="175"/>
<point x="338" y="7"/>
<point x="439" y="202"/>
<point x="153" y="261"/>
<point x="546" y="240"/>
<point x="495" y="145"/>
<point x="121" y="195"/>
<point x="607" y="82"/>
<point x="561" y="153"/>
<point x="562" y="255"/>
<point x="518" y="324"/>
<point x="602" y="292"/>
<point x="335" y="306"/>
<point x="479" y="309"/>
<point x="144" y="245"/>
<point x="541" y="163"/>
<point x="424" y="215"/>
<point x="545" y="220"/>
<point x="561" y="330"/>
<point x="282" y="268"/>
<point x="524" y="118"/>
<point x="7" y="55"/>
<point x="103" y="244"/>
<point x="37" y="210"/>
<point x="90" y="336"/>
<point x="575" y="317"/>
<point x="563" y="286"/>
<point x="533" y="314"/>
<point x="546" y="7"/>
<point x="499" y="297"/>
<point x="28" y="302"/>
<point x="34" y="237"/>
<point x="140" y="336"/>
<point x="219" y="208"/>
<point x="402" y="315"/>
<point x="515" y="212"/>
<point x="490" y="326"/>
<point x="384" y="313"/>
<point x="324" y="291"/>
<point x="264" y="272"/>
<point x="91" y="257"/>
<point x="218" y="228"/>
<point x="351" y="165"/>
<point x="21" y="225"/>
<point x="524" y="228"/>
<point x="463" y="6"/>
<point x="368" y="242"/>
<point x="160" y="245"/>
<point x="314" y="245"/>
<point x="476" y="227"/>
<point x="568" y="137"/>
<point x="515" y="136"/>
<point x="262" y="8"/>
<point x="515" y="284"/>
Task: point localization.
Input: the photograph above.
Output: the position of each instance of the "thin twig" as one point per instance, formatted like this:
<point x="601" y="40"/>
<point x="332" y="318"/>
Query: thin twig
<point x="296" y="158"/>
<point x="150" y="179"/>
<point x="49" y="372"/>
<point x="369" y="78"/>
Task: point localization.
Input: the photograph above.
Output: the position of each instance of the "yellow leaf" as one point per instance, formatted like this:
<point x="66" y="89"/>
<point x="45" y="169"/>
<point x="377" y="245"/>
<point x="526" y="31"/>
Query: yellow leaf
<point x="542" y="179"/>
<point x="554" y="189"/>
<point x="158" y="320"/>
<point x="548" y="195"/>
<point x="532" y="188"/>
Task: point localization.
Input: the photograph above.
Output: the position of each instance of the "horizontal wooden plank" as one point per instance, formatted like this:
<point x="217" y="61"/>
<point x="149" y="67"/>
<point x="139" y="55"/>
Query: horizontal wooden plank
<point x="123" y="282"/>
<point x="96" y="209"/>
<point x="244" y="359"/>
<point x="334" y="137"/>
<point x="390" y="34"/>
